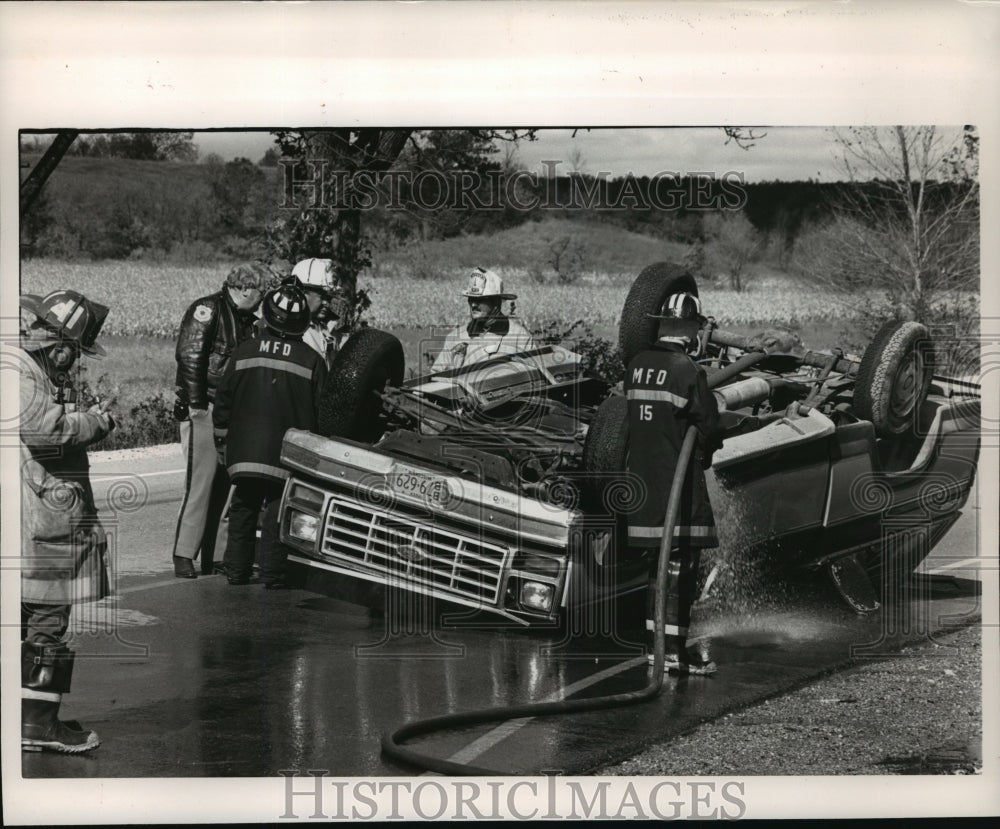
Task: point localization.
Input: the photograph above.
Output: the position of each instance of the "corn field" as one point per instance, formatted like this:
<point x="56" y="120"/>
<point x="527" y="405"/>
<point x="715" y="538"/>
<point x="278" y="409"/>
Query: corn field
<point x="150" y="299"/>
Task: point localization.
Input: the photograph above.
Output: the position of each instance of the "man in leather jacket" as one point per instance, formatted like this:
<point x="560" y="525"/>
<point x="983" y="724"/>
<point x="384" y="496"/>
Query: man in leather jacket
<point x="211" y="328"/>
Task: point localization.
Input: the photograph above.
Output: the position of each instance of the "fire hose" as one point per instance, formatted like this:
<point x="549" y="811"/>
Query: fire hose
<point x="392" y="742"/>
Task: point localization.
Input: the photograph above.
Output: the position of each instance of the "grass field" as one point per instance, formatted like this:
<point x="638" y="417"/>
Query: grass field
<point x="147" y="302"/>
<point x="149" y="299"/>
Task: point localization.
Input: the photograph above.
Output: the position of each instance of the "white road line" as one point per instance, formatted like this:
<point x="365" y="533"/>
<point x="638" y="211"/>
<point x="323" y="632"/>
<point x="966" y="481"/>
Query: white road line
<point x="978" y="563"/>
<point x="151" y="585"/>
<point x="101" y="477"/>
<point x="506" y="729"/>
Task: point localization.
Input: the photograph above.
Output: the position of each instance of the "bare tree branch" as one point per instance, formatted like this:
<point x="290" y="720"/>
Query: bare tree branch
<point x="743" y="137"/>
<point x="907" y="221"/>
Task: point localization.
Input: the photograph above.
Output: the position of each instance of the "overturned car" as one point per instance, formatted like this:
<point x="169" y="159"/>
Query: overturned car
<point x="501" y="485"/>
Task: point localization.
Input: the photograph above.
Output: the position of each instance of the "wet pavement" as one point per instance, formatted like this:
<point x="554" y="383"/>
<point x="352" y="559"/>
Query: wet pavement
<point x="203" y="679"/>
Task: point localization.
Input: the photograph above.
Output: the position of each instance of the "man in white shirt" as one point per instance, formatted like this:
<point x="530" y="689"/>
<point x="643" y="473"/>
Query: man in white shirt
<point x="489" y="332"/>
<point x="326" y="309"/>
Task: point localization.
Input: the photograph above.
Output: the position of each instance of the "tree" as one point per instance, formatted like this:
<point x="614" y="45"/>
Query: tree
<point x="239" y="188"/>
<point x="743" y="137"/>
<point x="908" y="219"/>
<point x="136" y="145"/>
<point x="577" y="162"/>
<point x="143" y="146"/>
<point x="452" y="151"/>
<point x="315" y="225"/>
<point x="175" y="146"/>
<point x="448" y="171"/>
<point x="734" y="244"/>
<point x="328" y="225"/>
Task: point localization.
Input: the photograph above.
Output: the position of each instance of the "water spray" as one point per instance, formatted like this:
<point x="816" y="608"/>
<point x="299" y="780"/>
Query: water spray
<point x="392" y="742"/>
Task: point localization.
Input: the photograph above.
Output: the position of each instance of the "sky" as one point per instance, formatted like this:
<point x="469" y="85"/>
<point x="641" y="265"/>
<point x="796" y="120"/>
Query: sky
<point x="782" y="153"/>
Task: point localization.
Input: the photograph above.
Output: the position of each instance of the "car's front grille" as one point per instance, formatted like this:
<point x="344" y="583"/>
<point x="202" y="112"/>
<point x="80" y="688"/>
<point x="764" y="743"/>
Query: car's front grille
<point x="414" y="554"/>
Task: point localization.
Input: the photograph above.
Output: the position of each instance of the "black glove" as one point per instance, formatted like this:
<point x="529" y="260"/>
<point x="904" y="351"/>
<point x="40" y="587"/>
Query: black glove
<point x="181" y="410"/>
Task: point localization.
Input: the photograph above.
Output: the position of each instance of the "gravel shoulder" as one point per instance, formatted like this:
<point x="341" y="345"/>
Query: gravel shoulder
<point x="141" y="453"/>
<point x="917" y="713"/>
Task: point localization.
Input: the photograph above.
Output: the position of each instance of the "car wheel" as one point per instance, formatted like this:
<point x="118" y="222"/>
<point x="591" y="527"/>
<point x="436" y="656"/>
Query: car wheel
<point x="893" y="378"/>
<point x="609" y="493"/>
<point x="636" y="331"/>
<point x="604" y="448"/>
<point x="350" y="407"/>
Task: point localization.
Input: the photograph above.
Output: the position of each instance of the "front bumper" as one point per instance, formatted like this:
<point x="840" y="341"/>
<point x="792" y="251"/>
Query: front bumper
<point x="356" y="511"/>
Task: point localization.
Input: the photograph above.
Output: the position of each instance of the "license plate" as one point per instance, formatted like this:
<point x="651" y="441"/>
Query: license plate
<point x="431" y="489"/>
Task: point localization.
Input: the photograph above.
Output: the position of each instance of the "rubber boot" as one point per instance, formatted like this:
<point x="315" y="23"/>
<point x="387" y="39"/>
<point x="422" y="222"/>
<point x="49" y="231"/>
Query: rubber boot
<point x="680" y="659"/>
<point x="46" y="674"/>
<point x="681" y="586"/>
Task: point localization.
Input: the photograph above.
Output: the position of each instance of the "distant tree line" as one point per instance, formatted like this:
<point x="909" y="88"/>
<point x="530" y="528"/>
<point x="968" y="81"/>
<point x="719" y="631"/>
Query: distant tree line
<point x="141" y="146"/>
<point x="116" y="197"/>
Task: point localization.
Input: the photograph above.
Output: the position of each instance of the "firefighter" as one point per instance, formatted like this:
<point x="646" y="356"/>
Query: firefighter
<point x="667" y="392"/>
<point x="489" y="331"/>
<point x="211" y="328"/>
<point x="272" y="384"/>
<point x="63" y="545"/>
<point x="327" y="307"/>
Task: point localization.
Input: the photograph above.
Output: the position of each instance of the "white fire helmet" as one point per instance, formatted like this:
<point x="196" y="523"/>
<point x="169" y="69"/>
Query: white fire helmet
<point x="484" y="283"/>
<point x="315" y="273"/>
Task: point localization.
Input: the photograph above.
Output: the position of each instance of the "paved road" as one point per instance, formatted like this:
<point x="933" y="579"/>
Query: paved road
<point x="198" y="678"/>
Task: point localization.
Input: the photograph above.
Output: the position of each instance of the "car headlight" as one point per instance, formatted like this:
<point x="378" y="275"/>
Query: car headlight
<point x="536" y="596"/>
<point x="307" y="496"/>
<point x="538" y="565"/>
<point x="303" y="526"/>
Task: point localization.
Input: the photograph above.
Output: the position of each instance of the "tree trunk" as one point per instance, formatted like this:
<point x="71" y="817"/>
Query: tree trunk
<point x="32" y="185"/>
<point x="371" y="150"/>
<point x="347" y="254"/>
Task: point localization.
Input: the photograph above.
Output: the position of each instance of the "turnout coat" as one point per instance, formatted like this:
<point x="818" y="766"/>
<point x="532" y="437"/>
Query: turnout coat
<point x="667" y="392"/>
<point x="270" y="386"/>
<point x="481" y="340"/>
<point x="63" y="545"/>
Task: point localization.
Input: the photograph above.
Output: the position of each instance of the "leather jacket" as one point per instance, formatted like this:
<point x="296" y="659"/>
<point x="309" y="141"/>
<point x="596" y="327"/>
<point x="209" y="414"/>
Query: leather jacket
<point x="212" y="327"/>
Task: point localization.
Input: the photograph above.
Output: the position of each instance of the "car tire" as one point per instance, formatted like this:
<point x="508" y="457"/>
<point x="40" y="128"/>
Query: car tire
<point x="350" y="408"/>
<point x="894" y="377"/>
<point x="605" y="445"/>
<point x="610" y="493"/>
<point x="636" y="331"/>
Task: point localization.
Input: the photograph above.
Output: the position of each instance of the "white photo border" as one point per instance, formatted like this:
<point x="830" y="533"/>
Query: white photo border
<point x="250" y="65"/>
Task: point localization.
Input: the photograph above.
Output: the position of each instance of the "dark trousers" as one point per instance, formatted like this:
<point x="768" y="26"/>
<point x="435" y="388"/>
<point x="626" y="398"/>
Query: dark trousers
<point x="681" y="587"/>
<point x="249" y="496"/>
<point x="216" y="505"/>
<point x="44" y="624"/>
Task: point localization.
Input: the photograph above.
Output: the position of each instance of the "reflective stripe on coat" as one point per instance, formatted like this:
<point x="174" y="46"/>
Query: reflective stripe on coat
<point x="667" y="392"/>
<point x="270" y="386"/>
